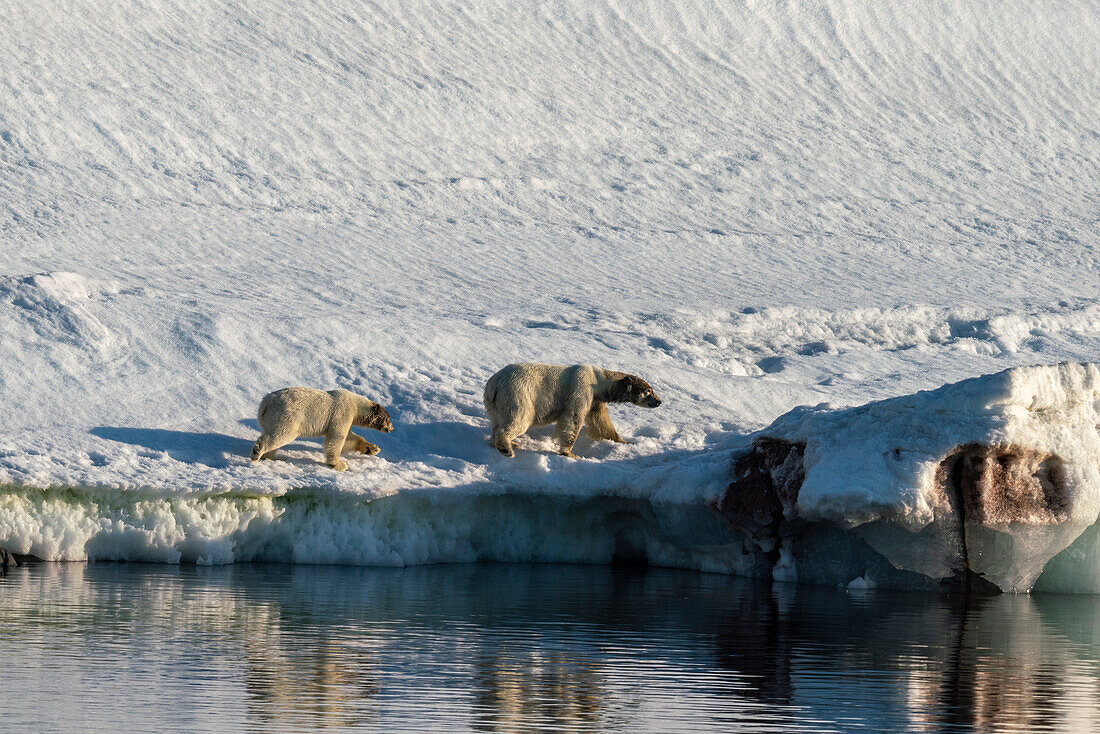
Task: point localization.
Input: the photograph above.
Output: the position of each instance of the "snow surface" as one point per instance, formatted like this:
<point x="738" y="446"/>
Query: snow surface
<point x="752" y="205"/>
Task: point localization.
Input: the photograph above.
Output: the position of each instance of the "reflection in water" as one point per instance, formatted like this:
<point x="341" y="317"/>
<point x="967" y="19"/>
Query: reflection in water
<point x="293" y="686"/>
<point x="522" y="648"/>
<point x="960" y="663"/>
<point x="516" y="689"/>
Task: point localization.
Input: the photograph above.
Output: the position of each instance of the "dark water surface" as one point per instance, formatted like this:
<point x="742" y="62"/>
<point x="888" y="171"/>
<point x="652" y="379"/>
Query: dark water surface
<point x="107" y="647"/>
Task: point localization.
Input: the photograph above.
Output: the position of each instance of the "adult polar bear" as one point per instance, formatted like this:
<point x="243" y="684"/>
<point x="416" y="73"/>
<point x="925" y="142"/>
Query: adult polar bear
<point x="286" y="414"/>
<point x="529" y="394"/>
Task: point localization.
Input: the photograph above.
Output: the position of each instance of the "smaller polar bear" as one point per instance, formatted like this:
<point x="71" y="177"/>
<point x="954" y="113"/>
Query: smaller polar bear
<point x="529" y="394"/>
<point x="303" y="411"/>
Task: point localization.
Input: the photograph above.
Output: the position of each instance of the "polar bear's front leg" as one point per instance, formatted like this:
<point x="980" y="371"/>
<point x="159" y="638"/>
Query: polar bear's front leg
<point x="567" y="430"/>
<point x="334" y="444"/>
<point x="600" y="426"/>
<point x="355" y="442"/>
<point x="565" y="443"/>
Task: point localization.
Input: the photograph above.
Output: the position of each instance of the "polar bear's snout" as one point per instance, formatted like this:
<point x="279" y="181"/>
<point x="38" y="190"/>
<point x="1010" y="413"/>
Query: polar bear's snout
<point x="379" y="419"/>
<point x="633" y="389"/>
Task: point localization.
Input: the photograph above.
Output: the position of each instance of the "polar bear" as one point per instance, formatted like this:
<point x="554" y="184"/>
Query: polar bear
<point x="530" y="394"/>
<point x="303" y="411"/>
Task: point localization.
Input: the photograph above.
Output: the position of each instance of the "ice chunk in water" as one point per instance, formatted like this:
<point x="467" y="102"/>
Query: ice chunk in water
<point x="992" y="476"/>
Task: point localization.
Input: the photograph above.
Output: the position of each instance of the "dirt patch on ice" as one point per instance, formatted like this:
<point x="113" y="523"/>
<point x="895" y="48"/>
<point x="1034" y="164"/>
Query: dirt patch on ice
<point x="765" y="486"/>
<point x="1001" y="484"/>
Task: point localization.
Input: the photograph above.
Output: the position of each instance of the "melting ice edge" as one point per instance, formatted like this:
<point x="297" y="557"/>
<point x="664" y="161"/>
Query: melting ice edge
<point x="994" y="478"/>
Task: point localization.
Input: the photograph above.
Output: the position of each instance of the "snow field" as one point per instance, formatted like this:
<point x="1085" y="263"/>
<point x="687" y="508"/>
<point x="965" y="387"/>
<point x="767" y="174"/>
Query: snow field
<point x="754" y="206"/>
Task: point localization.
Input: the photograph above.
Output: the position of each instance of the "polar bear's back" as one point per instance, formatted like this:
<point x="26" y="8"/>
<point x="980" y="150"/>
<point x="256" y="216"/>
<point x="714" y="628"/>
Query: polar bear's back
<point x="307" y="409"/>
<point x="534" y="388"/>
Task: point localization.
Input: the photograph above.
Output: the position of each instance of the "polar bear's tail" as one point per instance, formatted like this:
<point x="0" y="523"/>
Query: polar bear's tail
<point x="490" y="395"/>
<point x="265" y="409"/>
<point x="258" y="448"/>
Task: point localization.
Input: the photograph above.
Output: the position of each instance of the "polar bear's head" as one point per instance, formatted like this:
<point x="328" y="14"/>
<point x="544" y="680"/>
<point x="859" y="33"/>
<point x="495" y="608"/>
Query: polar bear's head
<point x="633" y="389"/>
<point x="373" y="415"/>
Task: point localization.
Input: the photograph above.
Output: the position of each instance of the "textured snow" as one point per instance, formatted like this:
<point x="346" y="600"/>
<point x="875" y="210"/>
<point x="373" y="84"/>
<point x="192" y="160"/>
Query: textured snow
<point x="754" y="206"/>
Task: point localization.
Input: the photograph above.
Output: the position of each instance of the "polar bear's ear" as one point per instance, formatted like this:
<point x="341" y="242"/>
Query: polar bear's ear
<point x="366" y="412"/>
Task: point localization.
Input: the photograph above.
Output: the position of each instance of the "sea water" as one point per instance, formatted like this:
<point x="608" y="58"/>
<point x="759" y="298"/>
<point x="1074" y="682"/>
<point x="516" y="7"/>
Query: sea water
<point x="511" y="647"/>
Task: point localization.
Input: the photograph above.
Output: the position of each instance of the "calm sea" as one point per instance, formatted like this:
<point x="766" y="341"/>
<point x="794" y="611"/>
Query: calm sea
<point x="133" y="647"/>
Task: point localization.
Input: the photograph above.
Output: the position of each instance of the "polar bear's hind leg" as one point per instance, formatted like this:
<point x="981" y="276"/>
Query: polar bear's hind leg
<point x="334" y="446"/>
<point x="504" y="445"/>
<point x="267" y="443"/>
<point x="504" y="435"/>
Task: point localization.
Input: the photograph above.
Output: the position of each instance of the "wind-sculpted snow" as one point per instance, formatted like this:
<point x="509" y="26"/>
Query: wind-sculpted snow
<point x="754" y="206"/>
<point x="53" y="308"/>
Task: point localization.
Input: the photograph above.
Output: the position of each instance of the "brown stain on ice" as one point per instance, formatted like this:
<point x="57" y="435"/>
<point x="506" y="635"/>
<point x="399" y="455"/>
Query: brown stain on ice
<point x="1003" y="483"/>
<point x="765" y="486"/>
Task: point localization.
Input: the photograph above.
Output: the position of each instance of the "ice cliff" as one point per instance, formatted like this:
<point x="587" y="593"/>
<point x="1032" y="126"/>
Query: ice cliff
<point x="991" y="477"/>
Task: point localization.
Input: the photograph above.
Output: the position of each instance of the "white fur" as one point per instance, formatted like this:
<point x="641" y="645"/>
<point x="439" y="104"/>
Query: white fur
<point x="295" y="412"/>
<point x="529" y="394"/>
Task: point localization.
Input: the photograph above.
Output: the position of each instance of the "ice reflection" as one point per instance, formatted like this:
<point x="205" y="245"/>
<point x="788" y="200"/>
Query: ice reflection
<point x="1002" y="663"/>
<point x="521" y="648"/>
